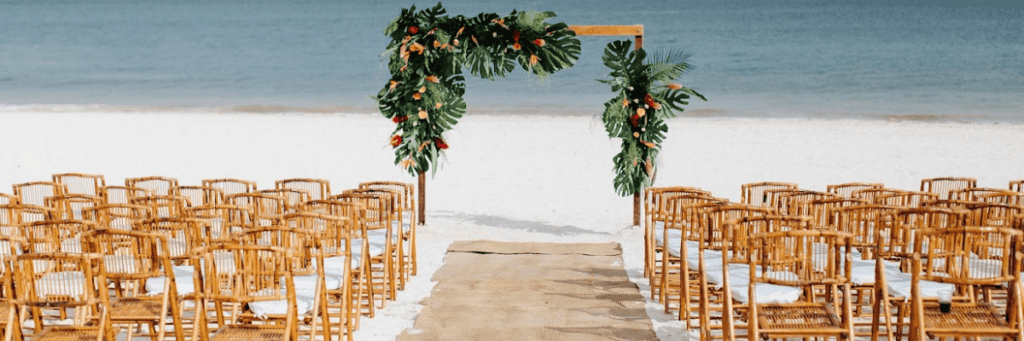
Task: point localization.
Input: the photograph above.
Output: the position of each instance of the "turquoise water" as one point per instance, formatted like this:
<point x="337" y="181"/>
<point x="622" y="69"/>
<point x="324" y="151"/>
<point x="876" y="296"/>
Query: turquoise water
<point x="923" y="59"/>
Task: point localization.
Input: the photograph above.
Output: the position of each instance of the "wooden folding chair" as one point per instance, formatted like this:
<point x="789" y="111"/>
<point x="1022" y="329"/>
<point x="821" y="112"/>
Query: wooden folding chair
<point x="406" y="215"/>
<point x="70" y="206"/>
<point x="1017" y="186"/>
<point x="159" y="185"/>
<point x="293" y="197"/>
<point x="785" y="262"/>
<point x="7" y="199"/>
<point x="245" y="282"/>
<point x="200" y="195"/>
<point x="846" y="189"/>
<point x="10" y="245"/>
<point x="656" y="242"/>
<point x="797" y="203"/>
<point x="654" y="199"/>
<point x="117" y="216"/>
<point x="62" y="281"/>
<point x="266" y="209"/>
<point x="823" y="210"/>
<point x="130" y="259"/>
<point x="35" y="193"/>
<point x="56" y="236"/>
<point x="164" y="206"/>
<point x="231" y="186"/>
<point x="362" y="291"/>
<point x="942" y="186"/>
<point x="974" y="193"/>
<point x="78" y="183"/>
<point x="906" y="199"/>
<point x="966" y="257"/>
<point x="380" y="234"/>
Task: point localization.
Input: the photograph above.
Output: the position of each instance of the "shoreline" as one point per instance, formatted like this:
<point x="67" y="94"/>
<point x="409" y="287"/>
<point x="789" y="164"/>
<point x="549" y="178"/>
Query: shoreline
<point x="524" y="111"/>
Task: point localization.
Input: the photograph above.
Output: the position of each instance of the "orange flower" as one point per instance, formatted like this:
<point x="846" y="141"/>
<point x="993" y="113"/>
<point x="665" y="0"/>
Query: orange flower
<point x="534" y="59"/>
<point x="517" y="47"/>
<point x="675" y="86"/>
<point x="636" y="135"/>
<point x="625" y="102"/>
<point x="539" y="42"/>
<point x="650" y="102"/>
<point x="416" y="47"/>
<point x="437" y="43"/>
<point x="392" y="85"/>
<point x="455" y="42"/>
<point x="422" y="115"/>
<point x="407" y="163"/>
<point x="460" y="32"/>
<point x="423" y="89"/>
<point x="650" y="145"/>
<point x="417" y="96"/>
<point x="396" y="140"/>
<point x="432" y="79"/>
<point x="438" y="105"/>
<point x="402" y="69"/>
<point x="641" y="112"/>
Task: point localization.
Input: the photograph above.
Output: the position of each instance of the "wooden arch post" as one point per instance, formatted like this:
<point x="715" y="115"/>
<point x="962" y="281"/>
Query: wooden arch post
<point x="637" y="31"/>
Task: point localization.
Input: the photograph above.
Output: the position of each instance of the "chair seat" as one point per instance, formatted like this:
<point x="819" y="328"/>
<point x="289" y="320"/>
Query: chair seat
<point x="182" y="279"/>
<point x="310" y="282"/>
<point x="800" y="318"/>
<point x="68" y="333"/>
<point x="303" y="303"/>
<point x="135" y="309"/>
<point x="899" y="286"/>
<point x="246" y="332"/>
<point x="963" y="319"/>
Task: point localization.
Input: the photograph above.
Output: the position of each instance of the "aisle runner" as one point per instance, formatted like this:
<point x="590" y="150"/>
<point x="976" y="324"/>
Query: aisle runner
<point x="532" y="291"/>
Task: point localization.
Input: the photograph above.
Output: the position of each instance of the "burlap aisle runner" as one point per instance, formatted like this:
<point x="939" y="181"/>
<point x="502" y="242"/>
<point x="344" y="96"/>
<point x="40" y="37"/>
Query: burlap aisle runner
<point x="532" y="291"/>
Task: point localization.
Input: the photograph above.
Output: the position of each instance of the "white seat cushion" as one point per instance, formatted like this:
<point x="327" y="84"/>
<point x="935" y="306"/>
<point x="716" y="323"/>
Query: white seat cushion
<point x="303" y="302"/>
<point x="182" y="279"/>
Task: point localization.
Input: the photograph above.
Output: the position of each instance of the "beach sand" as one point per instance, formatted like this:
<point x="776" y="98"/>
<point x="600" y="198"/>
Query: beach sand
<point x="506" y="178"/>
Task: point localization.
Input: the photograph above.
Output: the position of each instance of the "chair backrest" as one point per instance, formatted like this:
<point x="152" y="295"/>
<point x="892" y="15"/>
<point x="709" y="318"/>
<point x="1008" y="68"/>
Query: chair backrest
<point x="78" y="183"/>
<point x="304" y="245"/>
<point x="798" y="202"/>
<point x="14" y="214"/>
<point x="822" y="209"/>
<point x="1008" y="198"/>
<point x="164" y="206"/>
<point x="335" y="232"/>
<point x="994" y="215"/>
<point x="200" y="195"/>
<point x="973" y="193"/>
<point x="71" y="206"/>
<point x="942" y="186"/>
<point x="222" y="217"/>
<point x="231" y="186"/>
<point x="63" y="280"/>
<point x="407" y="191"/>
<point x="130" y="255"/>
<point x="869" y="225"/>
<point x="800" y="258"/>
<point x="117" y="216"/>
<point x="846" y="189"/>
<point x="907" y="222"/>
<point x="122" y="194"/>
<point x="293" y="197"/>
<point x="1017" y="186"/>
<point x="377" y="208"/>
<point x="35" y="193"/>
<point x="714" y="222"/>
<point x="7" y="199"/>
<point x="906" y="199"/>
<point x="654" y="201"/>
<point x="265" y="207"/>
<point x="318" y="189"/>
<point x="56" y="236"/>
<point x="737" y="233"/>
<point x="754" y="193"/>
<point x="967" y="255"/>
<point x="159" y="185"/>
<point x="183" y="235"/>
<point x="872" y="194"/>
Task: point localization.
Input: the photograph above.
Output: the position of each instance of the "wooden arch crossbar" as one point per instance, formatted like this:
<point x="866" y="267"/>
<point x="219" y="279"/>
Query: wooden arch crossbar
<point x="637" y="31"/>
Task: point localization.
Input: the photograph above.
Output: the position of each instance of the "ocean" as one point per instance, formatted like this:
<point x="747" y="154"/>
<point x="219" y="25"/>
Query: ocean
<point x="929" y="60"/>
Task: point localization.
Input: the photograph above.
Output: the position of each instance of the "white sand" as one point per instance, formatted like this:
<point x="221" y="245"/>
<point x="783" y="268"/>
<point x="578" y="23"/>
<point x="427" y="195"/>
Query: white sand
<point x="534" y="178"/>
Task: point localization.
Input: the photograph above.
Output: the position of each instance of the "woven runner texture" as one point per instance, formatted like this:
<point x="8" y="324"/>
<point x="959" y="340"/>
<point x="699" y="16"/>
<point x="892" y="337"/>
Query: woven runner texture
<point x="532" y="291"/>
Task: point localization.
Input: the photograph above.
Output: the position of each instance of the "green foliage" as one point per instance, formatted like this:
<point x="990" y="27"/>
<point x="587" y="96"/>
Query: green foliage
<point x="427" y="53"/>
<point x="645" y="98"/>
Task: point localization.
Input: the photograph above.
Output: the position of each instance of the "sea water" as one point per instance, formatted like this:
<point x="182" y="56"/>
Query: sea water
<point x="960" y="60"/>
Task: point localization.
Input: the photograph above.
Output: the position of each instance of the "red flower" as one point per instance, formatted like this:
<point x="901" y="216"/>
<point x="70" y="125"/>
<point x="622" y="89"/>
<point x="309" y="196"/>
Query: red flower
<point x="440" y="143"/>
<point x="396" y="140"/>
<point x="515" y="36"/>
<point x="400" y="119"/>
<point x="634" y="120"/>
<point x="413" y="29"/>
<point x="649" y="100"/>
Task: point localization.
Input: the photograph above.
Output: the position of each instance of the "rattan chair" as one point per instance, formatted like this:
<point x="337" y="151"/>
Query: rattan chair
<point x="242" y="281"/>
<point x="56" y="236"/>
<point x="682" y="230"/>
<point x="117" y="216"/>
<point x="78" y="183"/>
<point x="846" y="189"/>
<point x="159" y="185"/>
<point x="654" y="211"/>
<point x="872" y="194"/>
<point x="200" y="195"/>
<point x="335" y="234"/>
<point x="318" y="189"/>
<point x="823" y="210"/>
<point x="864" y="223"/>
<point x="656" y="242"/>
<point x="951" y="256"/>
<point x="130" y="259"/>
<point x="183" y="235"/>
<point x="394" y="211"/>
<point x="293" y="197"/>
<point x="164" y="206"/>
<point x="942" y="186"/>
<point x="384" y="269"/>
<point x="994" y="215"/>
<point x="362" y="291"/>
<point x="231" y="186"/>
<point x="15" y="214"/>
<point x="797" y="202"/>
<point x="406" y="215"/>
<point x="754" y="193"/>
<point x="35" y="193"/>
<point x="71" y="206"/>
<point x="1017" y="186"/>
<point x="62" y="281"/>
<point x="223" y="219"/>
<point x="789" y="265"/>
<point x="122" y="194"/>
<point x="266" y="209"/>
